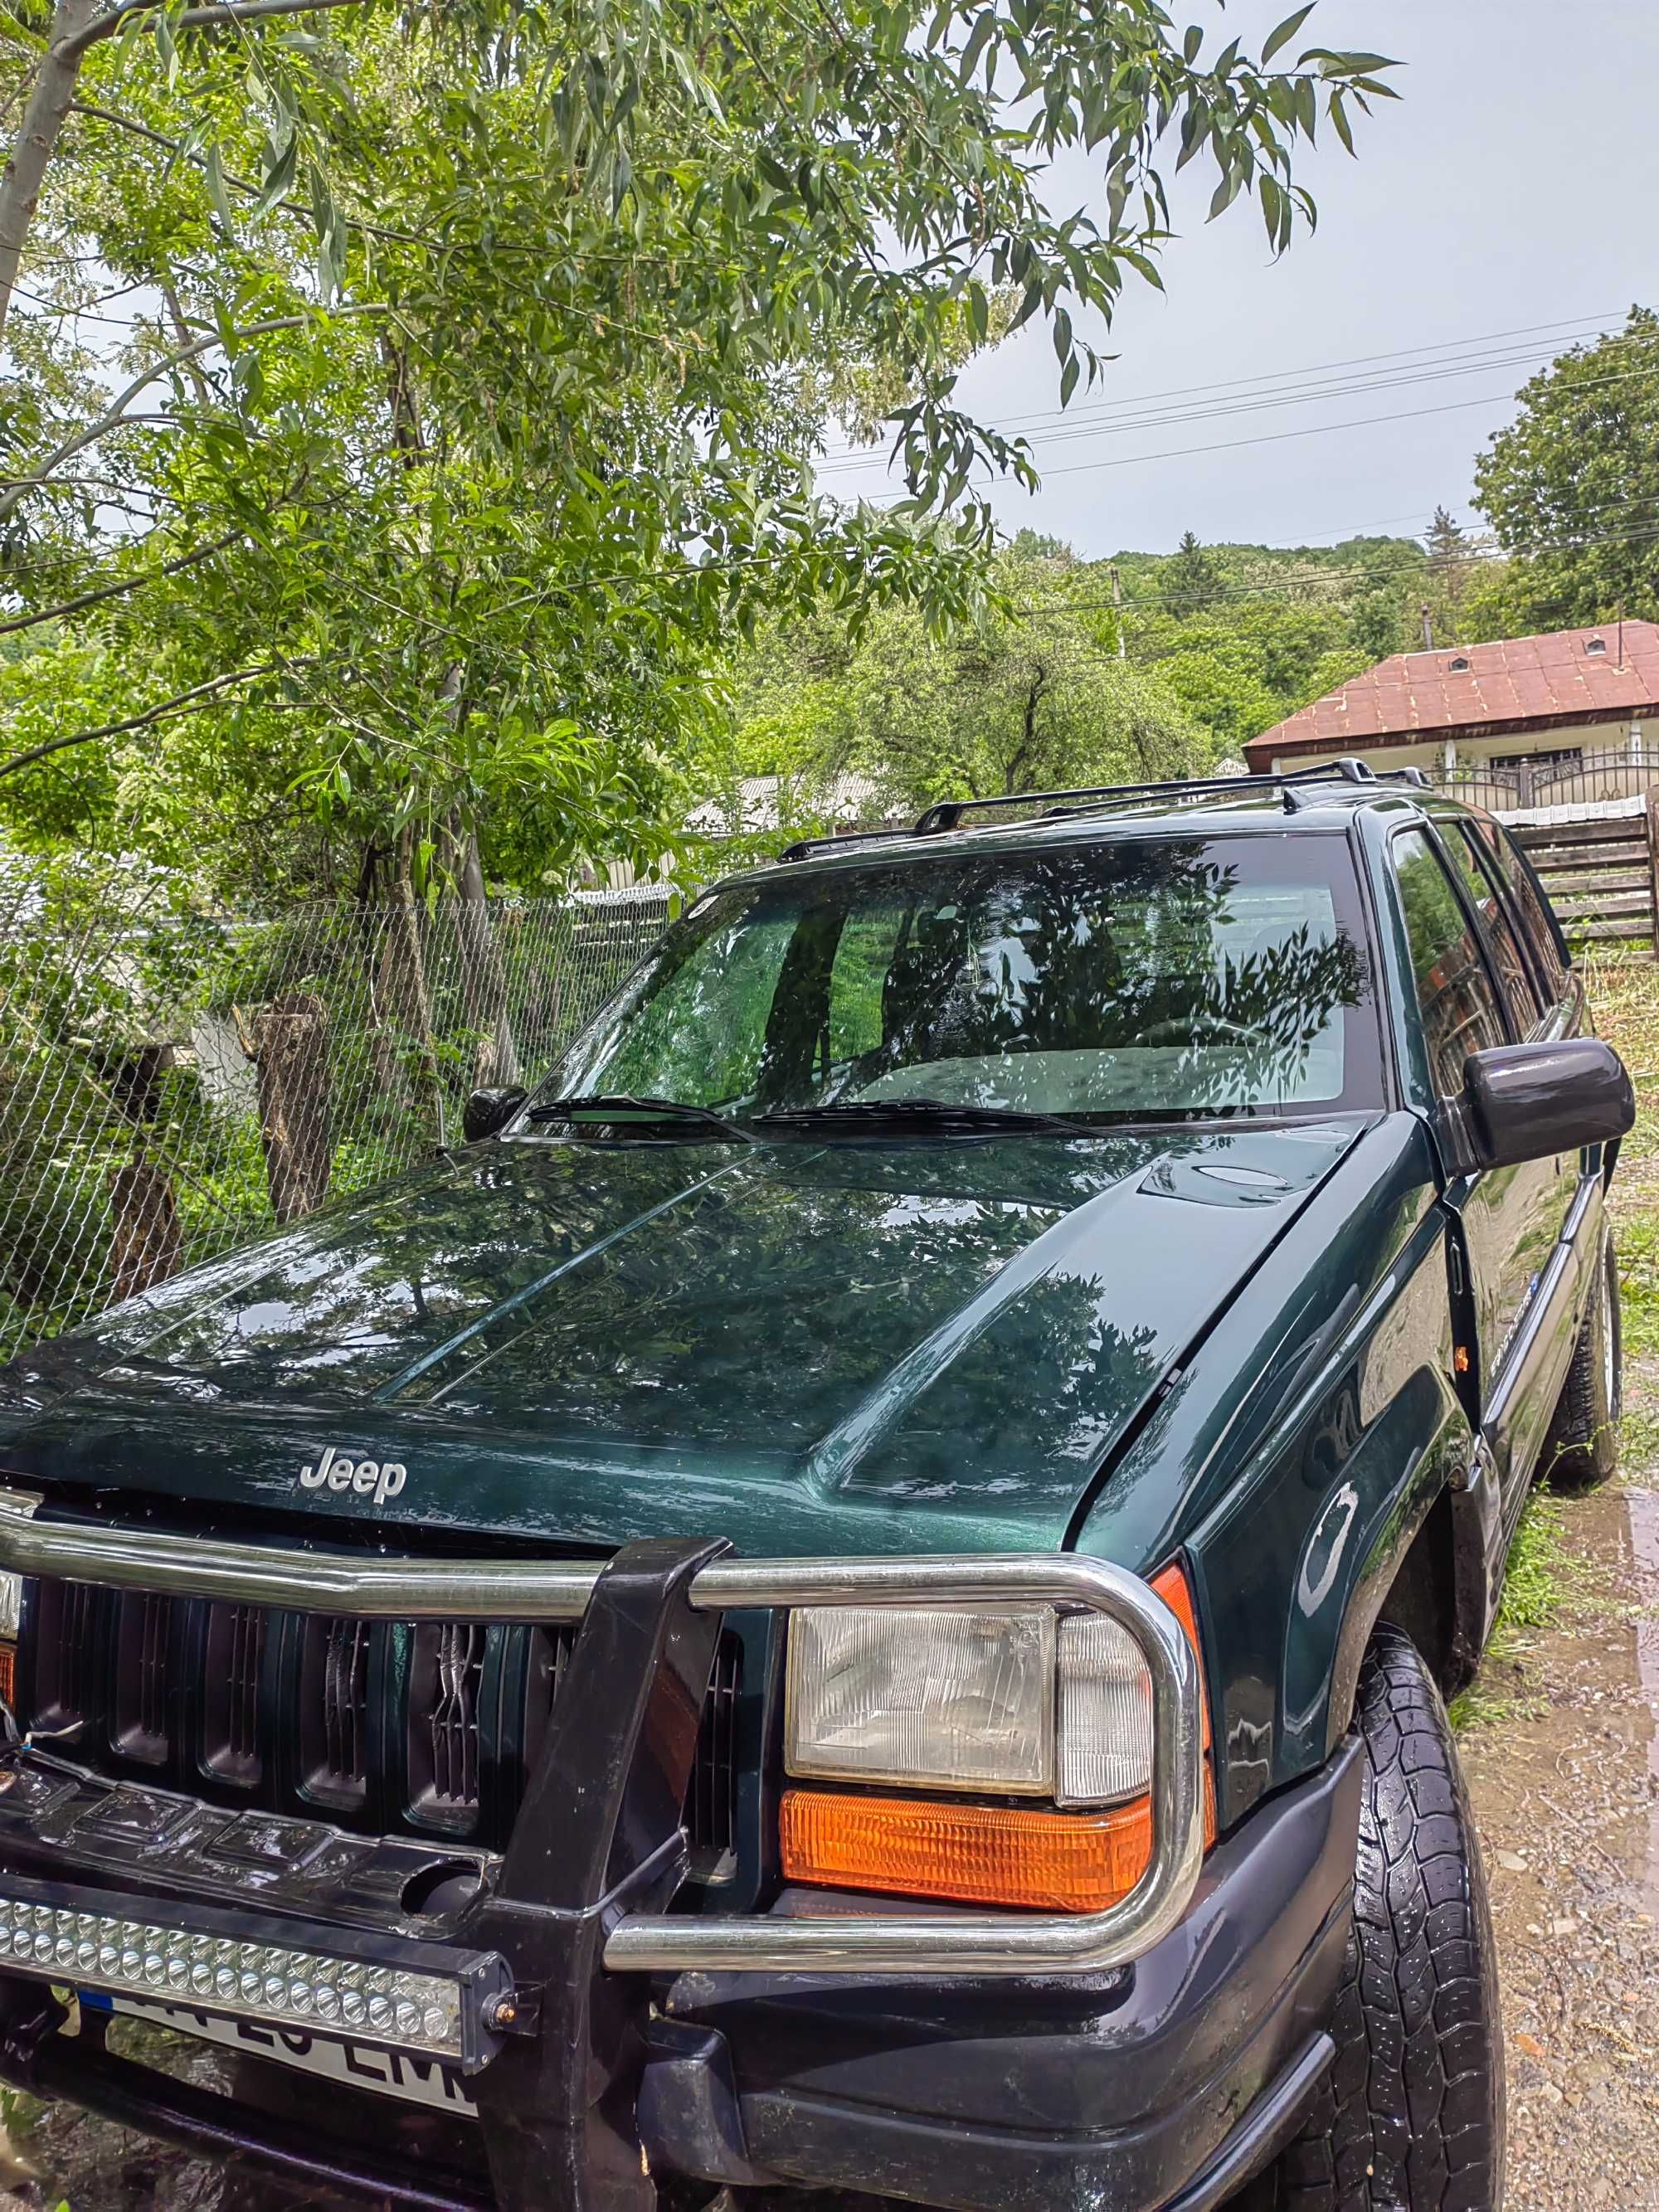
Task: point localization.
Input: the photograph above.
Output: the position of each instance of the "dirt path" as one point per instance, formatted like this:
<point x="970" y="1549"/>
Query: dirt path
<point x="1566" y="1795"/>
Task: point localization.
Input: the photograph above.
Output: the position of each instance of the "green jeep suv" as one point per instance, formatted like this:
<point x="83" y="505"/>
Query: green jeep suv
<point x="858" y="1593"/>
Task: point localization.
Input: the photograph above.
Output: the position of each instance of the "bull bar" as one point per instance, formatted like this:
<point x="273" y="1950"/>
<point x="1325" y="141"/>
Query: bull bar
<point x="125" y="1557"/>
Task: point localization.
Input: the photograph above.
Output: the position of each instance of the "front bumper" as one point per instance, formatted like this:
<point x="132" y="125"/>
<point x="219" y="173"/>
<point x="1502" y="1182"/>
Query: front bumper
<point x="606" y="2042"/>
<point x="1166" y="2084"/>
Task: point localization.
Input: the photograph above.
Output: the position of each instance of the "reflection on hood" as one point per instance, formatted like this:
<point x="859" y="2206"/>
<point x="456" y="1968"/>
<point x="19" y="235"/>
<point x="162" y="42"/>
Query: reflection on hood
<point x="909" y="1323"/>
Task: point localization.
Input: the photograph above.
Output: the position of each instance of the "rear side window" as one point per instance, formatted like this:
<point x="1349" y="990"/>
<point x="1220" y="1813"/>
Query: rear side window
<point x="1460" y="1008"/>
<point x="1482" y="894"/>
<point x="1517" y="880"/>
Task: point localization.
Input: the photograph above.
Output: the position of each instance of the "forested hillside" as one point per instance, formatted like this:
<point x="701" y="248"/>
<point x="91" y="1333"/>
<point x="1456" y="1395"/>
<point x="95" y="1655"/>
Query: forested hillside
<point x="1073" y="670"/>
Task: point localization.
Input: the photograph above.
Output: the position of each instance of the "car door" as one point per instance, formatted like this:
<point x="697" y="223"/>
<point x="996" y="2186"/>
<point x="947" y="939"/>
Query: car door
<point x="1511" y="1215"/>
<point x="1534" y="1017"/>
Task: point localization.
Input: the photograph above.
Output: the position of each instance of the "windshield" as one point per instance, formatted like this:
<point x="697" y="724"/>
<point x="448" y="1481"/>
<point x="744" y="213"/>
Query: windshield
<point x="1130" y="981"/>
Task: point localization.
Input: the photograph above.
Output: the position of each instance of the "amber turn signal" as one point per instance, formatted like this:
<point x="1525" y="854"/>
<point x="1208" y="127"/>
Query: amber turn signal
<point x="976" y="1854"/>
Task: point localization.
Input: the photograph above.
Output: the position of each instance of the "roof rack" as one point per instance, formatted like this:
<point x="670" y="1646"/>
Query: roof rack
<point x="946" y="814"/>
<point x="804" y="847"/>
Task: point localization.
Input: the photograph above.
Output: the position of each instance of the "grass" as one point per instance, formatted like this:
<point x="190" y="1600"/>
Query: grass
<point x="1543" y="1577"/>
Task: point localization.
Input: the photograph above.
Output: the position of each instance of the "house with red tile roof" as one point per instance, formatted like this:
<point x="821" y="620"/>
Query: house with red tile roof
<point x="1535" y="701"/>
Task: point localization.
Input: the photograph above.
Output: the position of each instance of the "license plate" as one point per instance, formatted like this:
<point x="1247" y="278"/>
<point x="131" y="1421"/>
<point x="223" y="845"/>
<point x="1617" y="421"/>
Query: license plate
<point x="386" y="2073"/>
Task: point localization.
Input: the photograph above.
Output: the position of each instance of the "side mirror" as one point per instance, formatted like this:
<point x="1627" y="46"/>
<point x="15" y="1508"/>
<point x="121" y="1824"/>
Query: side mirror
<point x="487" y="1111"/>
<point x="1523" y="1102"/>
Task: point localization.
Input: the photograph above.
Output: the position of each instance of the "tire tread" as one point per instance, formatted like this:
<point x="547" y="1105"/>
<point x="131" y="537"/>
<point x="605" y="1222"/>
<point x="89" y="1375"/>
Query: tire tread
<point x="1409" y="2117"/>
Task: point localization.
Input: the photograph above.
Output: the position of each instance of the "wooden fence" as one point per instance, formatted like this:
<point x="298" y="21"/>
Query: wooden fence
<point x="1600" y="873"/>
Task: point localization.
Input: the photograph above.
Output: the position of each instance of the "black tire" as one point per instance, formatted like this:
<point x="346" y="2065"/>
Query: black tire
<point x="1582" y="1449"/>
<point x="1410" y="2117"/>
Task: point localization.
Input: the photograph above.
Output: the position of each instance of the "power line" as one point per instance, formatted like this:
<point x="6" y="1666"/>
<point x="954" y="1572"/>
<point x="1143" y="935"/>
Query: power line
<point x="1574" y="327"/>
<point x="1309" y="430"/>
<point x="1307" y="395"/>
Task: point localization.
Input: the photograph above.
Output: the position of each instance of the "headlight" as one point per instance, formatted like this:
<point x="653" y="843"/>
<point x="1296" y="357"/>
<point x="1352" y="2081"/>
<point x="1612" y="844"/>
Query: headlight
<point x="1014" y="1704"/>
<point x="953" y="1702"/>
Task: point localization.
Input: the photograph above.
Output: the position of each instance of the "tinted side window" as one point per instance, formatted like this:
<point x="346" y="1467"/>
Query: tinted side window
<point x="1541" y="935"/>
<point x="1506" y="948"/>
<point x="1460" y="1008"/>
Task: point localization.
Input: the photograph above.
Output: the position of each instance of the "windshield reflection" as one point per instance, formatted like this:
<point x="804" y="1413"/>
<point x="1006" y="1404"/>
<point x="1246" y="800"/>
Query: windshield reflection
<point x="1137" y="980"/>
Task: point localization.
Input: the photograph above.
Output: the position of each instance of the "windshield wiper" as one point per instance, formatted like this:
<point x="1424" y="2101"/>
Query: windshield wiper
<point x="621" y="1108"/>
<point x="937" y="1114"/>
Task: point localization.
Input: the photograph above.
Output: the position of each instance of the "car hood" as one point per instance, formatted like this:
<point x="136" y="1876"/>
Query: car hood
<point x="916" y="1345"/>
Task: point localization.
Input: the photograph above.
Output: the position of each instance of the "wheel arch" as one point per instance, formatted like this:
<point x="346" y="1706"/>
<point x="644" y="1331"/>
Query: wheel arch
<point x="1436" y="1590"/>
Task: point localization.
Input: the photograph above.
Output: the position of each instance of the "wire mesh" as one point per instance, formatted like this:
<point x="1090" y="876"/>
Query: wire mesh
<point x="172" y="1085"/>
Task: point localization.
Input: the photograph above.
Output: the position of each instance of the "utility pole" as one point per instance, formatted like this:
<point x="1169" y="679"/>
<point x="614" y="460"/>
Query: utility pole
<point x="1117" y="605"/>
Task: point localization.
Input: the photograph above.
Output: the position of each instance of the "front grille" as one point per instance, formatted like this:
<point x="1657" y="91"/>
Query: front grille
<point x="70" y="1622"/>
<point x="389" y="1727"/>
<point x="711" y="1799"/>
<point x="232" y="1684"/>
<point x="446" y="1685"/>
<point x="334" y="1710"/>
<point x="143" y="1622"/>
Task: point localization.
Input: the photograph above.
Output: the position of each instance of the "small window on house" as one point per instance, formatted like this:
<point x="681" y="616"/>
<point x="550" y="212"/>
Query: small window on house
<point x="1596" y="645"/>
<point x="1460" y="666"/>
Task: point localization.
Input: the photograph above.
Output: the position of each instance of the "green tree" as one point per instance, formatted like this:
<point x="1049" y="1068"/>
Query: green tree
<point x="1017" y="702"/>
<point x="1571" y="490"/>
<point x="1451" y="561"/>
<point x="480" y="356"/>
<point x="1191" y="577"/>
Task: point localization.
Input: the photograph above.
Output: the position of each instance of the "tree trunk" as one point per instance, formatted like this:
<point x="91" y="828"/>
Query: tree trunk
<point x="43" y="120"/>
<point x="484" y="975"/>
<point x="148" y="1240"/>
<point x="406" y="973"/>
<point x="290" y="1046"/>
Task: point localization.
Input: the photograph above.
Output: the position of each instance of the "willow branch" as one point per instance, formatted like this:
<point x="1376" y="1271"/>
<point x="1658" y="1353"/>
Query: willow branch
<point x="195" y="19"/>
<point x="116" y="415"/>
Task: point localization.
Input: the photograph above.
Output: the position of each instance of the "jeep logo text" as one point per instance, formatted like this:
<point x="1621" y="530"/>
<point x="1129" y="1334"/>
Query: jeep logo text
<point x="380" y="1478"/>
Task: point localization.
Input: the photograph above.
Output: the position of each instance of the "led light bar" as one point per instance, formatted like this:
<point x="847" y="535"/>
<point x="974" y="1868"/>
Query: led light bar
<point x="352" y="1997"/>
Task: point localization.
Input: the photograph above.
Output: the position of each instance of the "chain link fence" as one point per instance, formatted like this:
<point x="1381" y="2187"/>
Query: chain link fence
<point x="173" y="1086"/>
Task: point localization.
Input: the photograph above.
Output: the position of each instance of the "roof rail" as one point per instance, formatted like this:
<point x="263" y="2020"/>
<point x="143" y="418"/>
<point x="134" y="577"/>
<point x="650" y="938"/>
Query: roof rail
<point x="946" y="814"/>
<point x="1414" y="776"/>
<point x="804" y="847"/>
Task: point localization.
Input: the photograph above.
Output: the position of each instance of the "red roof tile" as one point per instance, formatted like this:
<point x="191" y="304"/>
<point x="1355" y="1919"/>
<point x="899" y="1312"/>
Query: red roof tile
<point x="1518" y="682"/>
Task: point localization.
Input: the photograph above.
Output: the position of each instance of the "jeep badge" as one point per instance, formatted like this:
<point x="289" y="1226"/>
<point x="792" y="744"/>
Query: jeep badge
<point x="383" y="1477"/>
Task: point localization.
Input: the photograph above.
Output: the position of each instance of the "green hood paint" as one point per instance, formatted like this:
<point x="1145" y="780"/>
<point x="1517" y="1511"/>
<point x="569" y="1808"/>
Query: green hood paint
<point x="850" y="1347"/>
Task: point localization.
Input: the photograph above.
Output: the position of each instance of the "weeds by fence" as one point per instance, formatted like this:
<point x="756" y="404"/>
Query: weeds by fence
<point x="171" y="1086"/>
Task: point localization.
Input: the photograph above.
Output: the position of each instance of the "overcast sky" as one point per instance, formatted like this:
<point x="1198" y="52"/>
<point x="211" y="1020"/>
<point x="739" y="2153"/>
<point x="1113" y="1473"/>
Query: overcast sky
<point x="1512" y="186"/>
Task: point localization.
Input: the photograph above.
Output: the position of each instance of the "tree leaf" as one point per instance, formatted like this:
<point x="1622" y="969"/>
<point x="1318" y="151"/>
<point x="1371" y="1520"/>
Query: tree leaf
<point x="214" y="177"/>
<point x="1276" y="41"/>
